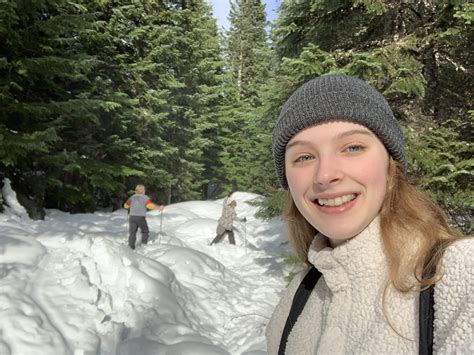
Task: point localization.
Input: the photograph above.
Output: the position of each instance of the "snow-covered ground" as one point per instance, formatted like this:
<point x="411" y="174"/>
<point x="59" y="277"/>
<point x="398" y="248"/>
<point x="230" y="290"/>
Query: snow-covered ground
<point x="71" y="285"/>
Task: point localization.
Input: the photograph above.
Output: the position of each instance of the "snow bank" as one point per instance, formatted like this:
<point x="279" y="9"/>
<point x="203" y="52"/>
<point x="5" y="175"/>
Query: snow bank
<point x="70" y="284"/>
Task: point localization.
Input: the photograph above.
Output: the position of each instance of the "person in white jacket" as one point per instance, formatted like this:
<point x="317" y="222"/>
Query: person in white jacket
<point x="225" y="224"/>
<point x="376" y="240"/>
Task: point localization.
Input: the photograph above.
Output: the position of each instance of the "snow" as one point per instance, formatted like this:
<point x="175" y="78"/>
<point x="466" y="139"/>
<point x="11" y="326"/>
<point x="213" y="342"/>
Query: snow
<point x="70" y="284"/>
<point x="13" y="207"/>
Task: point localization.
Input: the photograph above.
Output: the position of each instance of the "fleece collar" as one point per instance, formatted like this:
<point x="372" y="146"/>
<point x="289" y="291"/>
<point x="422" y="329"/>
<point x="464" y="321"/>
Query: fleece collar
<point x="360" y="258"/>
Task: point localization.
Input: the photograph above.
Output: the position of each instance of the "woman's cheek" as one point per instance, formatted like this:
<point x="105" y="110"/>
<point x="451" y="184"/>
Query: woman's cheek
<point x="296" y="178"/>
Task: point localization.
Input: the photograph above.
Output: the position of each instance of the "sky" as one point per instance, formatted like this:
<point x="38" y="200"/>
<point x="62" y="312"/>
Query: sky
<point x="221" y="10"/>
<point x="70" y="284"/>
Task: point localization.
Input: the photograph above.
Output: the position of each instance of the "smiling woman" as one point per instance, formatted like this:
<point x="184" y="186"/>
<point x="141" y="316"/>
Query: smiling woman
<point x="374" y="240"/>
<point x="339" y="185"/>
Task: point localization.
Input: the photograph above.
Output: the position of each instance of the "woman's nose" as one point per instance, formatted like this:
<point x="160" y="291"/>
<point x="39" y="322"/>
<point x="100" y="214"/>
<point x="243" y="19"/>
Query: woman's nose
<point x="327" y="172"/>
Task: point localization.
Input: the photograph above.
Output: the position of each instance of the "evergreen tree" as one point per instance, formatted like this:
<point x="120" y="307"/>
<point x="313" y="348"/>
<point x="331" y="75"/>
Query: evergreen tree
<point x="56" y="105"/>
<point x="171" y="55"/>
<point x="100" y="95"/>
<point x="248" y="49"/>
<point x="199" y="98"/>
<point x="245" y="137"/>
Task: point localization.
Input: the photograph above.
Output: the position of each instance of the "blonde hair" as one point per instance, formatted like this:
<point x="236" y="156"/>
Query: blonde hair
<point x="415" y="232"/>
<point x="140" y="189"/>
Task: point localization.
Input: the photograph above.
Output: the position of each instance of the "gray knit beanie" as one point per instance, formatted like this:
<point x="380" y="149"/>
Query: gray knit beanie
<point x="336" y="97"/>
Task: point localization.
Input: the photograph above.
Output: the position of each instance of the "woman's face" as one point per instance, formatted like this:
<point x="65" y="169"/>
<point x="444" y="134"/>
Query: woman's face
<point x="337" y="176"/>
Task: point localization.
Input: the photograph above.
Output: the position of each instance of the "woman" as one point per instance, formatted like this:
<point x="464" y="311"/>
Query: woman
<point x="225" y="224"/>
<point x="137" y="206"/>
<point x="375" y="239"/>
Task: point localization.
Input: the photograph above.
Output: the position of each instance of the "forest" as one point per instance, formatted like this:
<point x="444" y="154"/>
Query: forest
<point x="99" y="95"/>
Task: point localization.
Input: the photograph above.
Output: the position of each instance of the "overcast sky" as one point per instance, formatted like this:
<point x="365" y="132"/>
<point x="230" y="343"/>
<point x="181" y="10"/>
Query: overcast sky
<point x="222" y="7"/>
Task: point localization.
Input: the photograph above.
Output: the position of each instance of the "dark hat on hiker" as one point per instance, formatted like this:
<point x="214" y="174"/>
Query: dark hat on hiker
<point x="336" y="97"/>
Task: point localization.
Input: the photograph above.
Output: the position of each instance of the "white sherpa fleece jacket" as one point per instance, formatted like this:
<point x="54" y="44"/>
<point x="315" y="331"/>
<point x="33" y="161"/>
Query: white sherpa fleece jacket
<point x="344" y="313"/>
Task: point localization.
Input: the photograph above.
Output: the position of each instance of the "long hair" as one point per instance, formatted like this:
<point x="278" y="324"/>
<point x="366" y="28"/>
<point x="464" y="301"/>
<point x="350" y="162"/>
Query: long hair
<point x="415" y="232"/>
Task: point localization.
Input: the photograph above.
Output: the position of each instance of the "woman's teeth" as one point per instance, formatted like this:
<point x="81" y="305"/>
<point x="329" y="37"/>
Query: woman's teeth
<point x="336" y="201"/>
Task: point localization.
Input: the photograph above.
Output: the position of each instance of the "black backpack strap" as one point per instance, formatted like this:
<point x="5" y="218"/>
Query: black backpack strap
<point x="299" y="300"/>
<point x="426" y="316"/>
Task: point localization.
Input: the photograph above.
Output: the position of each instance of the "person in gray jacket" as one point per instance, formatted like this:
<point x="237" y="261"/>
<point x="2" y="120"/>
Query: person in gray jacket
<point x="137" y="206"/>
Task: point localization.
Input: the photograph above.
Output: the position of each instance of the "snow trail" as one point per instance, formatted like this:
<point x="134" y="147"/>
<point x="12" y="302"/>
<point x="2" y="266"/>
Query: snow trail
<point x="75" y="287"/>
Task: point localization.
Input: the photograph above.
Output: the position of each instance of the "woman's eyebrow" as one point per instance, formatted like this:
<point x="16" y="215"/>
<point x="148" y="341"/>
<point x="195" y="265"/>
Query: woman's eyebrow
<point x="354" y="131"/>
<point x="338" y="136"/>
<point x="298" y="142"/>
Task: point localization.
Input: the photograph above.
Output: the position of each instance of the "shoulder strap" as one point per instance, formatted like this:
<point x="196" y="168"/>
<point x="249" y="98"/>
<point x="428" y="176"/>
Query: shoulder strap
<point x="426" y="318"/>
<point x="299" y="300"/>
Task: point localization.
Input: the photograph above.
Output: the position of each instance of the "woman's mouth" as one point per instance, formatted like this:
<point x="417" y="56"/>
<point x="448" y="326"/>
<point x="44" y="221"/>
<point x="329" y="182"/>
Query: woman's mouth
<point x="335" y="202"/>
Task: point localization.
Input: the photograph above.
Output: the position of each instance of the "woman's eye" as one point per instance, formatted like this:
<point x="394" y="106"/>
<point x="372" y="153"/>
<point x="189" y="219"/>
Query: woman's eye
<point x="353" y="148"/>
<point x="303" y="158"/>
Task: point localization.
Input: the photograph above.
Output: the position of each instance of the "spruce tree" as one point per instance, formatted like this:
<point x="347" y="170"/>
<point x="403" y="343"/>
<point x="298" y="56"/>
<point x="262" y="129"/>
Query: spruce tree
<point x="170" y="53"/>
<point x="57" y="105"/>
<point x="245" y="137"/>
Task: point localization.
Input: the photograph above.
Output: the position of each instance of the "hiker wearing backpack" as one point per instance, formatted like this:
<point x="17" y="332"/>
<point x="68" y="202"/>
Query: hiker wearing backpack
<point x="373" y="240"/>
<point x="137" y="206"/>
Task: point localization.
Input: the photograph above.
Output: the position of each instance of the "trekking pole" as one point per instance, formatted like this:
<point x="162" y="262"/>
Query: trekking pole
<point x="161" y="226"/>
<point x="128" y="226"/>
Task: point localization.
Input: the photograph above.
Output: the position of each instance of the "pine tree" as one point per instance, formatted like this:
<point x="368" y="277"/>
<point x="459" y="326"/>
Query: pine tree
<point x="57" y="105"/>
<point x="170" y="52"/>
<point x="248" y="48"/>
<point x="244" y="136"/>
